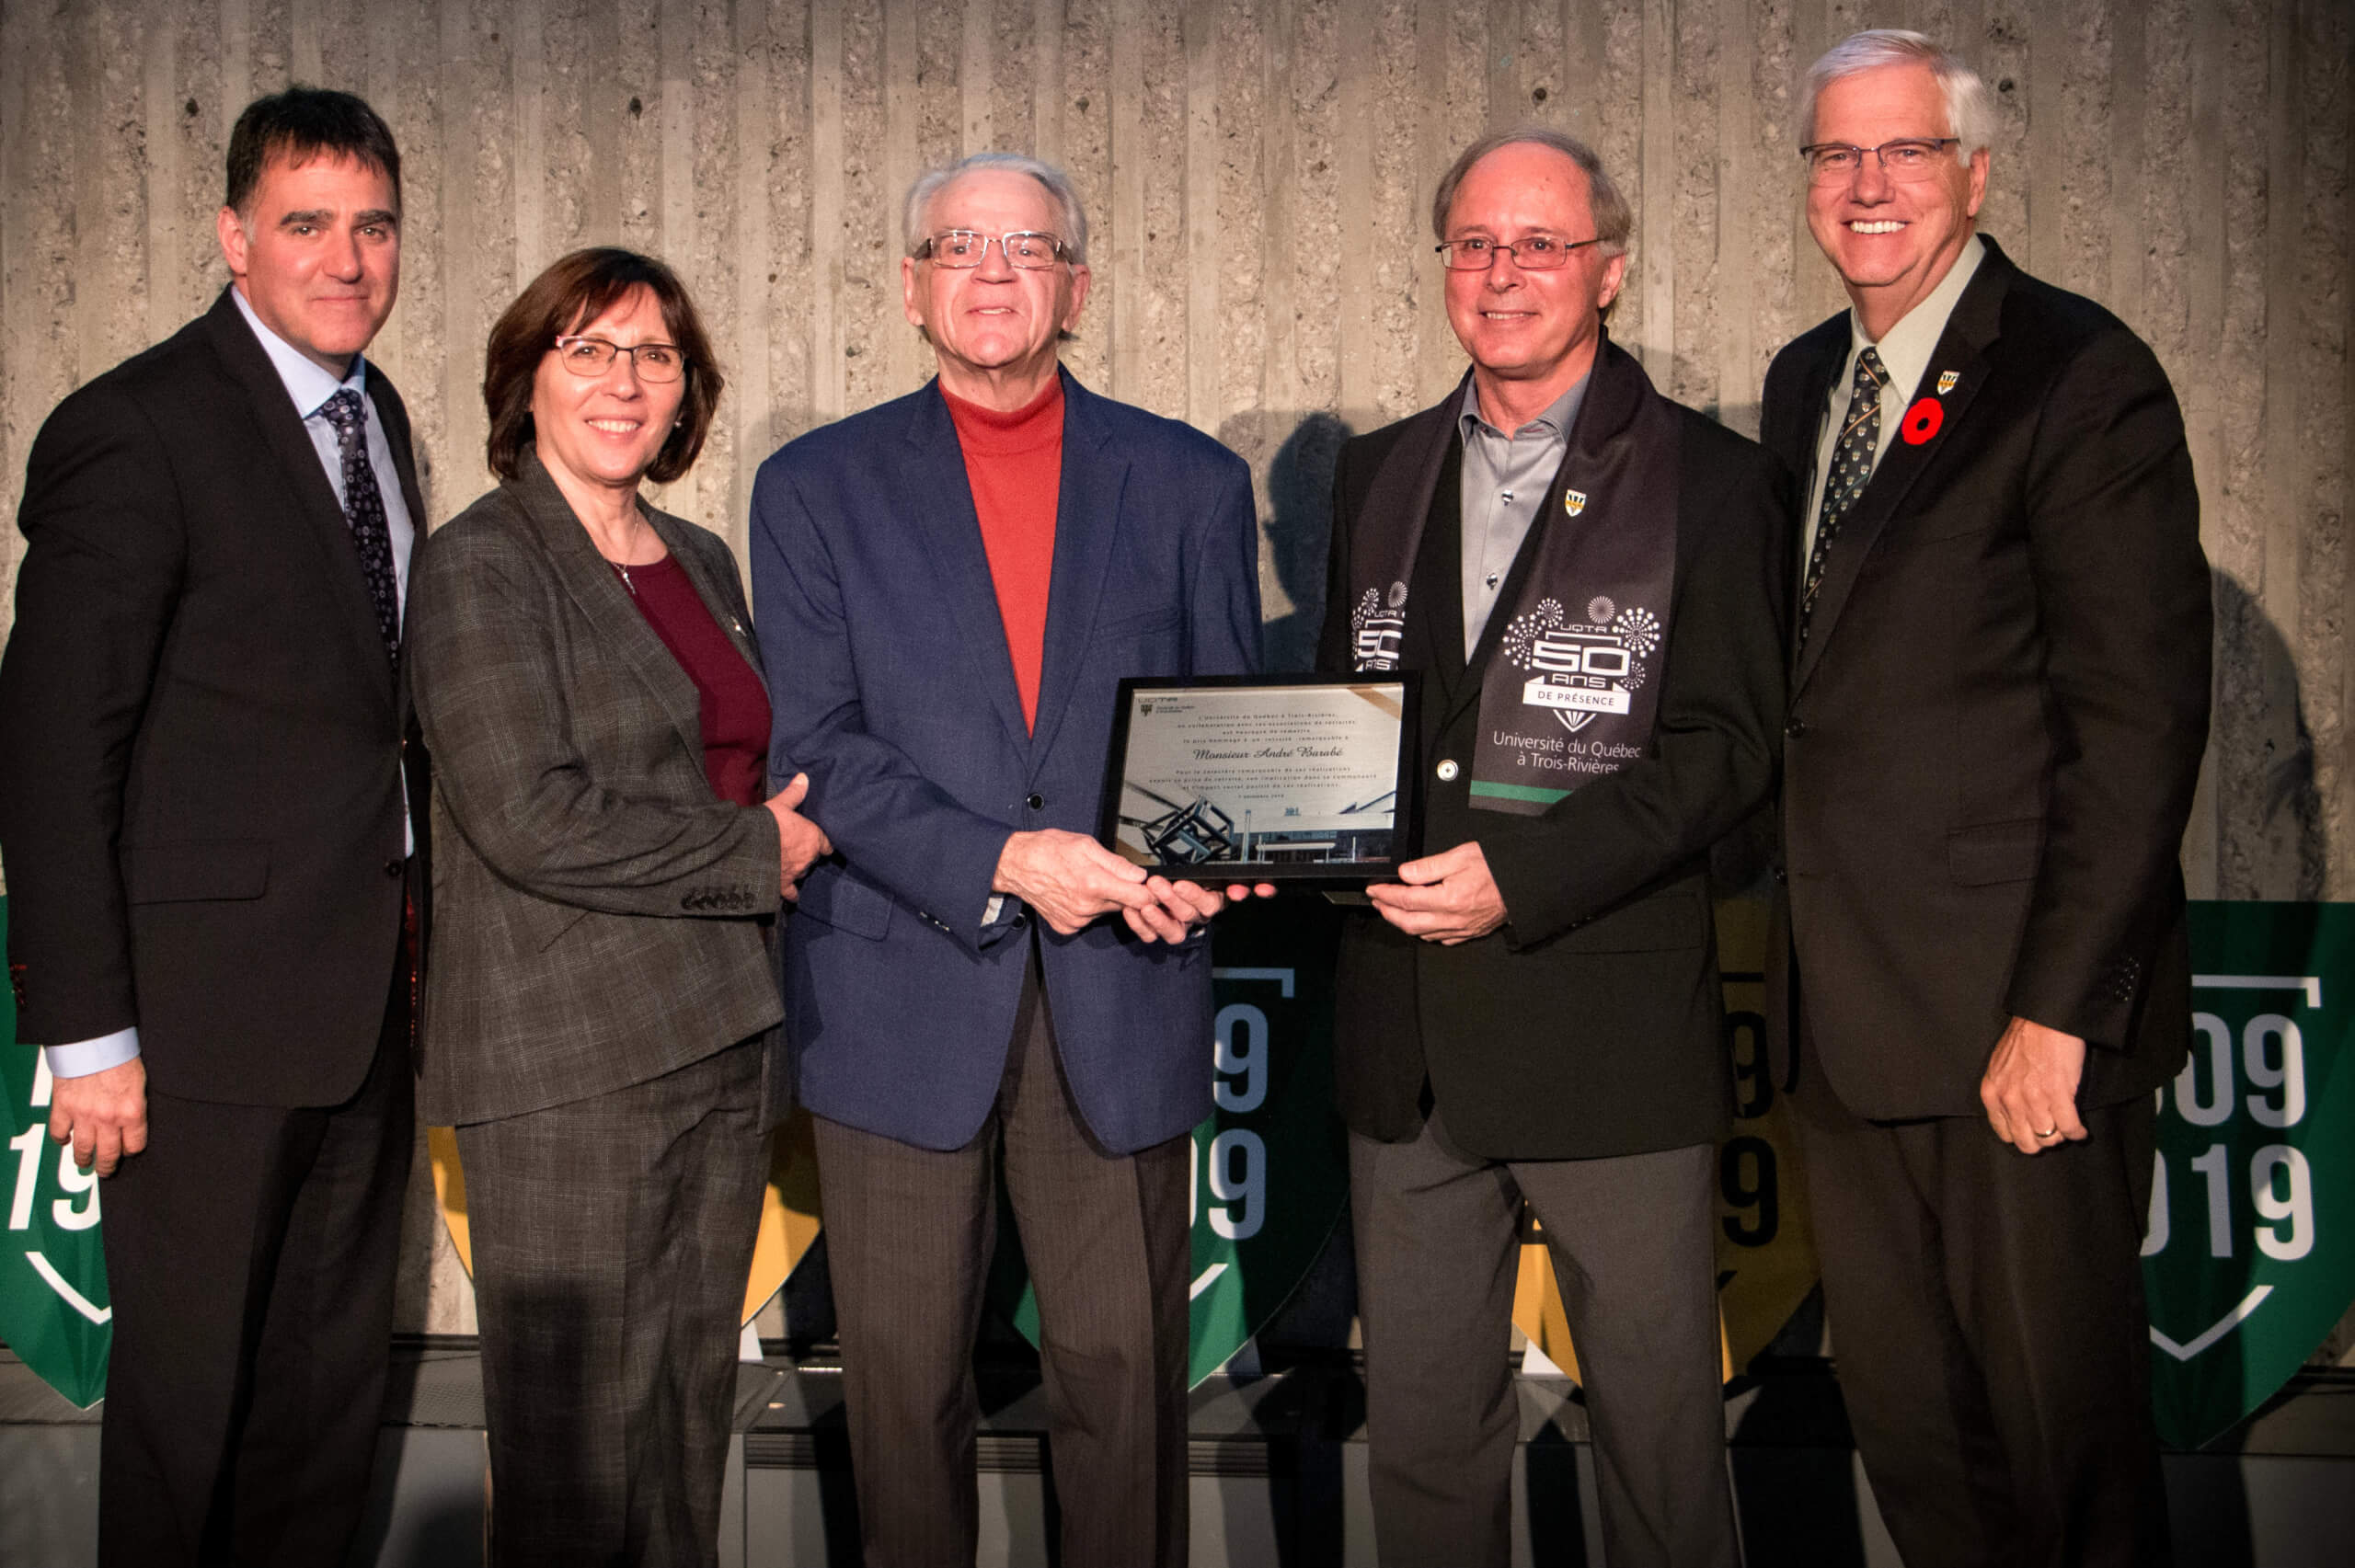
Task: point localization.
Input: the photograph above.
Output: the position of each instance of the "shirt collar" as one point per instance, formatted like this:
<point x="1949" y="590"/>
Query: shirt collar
<point x="1556" y="419"/>
<point x="305" y="383"/>
<point x="1905" y="349"/>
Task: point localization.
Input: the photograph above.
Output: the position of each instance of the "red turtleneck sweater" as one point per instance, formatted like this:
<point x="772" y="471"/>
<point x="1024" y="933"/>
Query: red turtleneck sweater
<point x="1014" y="464"/>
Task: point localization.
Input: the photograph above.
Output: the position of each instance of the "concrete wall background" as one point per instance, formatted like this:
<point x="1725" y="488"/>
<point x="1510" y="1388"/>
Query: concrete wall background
<point x="1256" y="172"/>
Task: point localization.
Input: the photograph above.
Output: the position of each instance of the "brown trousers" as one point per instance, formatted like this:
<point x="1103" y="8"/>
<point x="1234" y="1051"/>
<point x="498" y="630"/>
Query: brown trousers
<point x="909" y="1236"/>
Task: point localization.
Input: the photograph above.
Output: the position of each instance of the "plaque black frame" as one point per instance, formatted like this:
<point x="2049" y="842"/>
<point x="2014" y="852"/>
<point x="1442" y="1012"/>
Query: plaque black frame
<point x="1300" y="876"/>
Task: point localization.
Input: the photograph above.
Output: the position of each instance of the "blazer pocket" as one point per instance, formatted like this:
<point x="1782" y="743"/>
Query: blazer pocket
<point x="834" y="896"/>
<point x="1995" y="851"/>
<point x="1664" y="921"/>
<point x="213" y="868"/>
<point x="1957" y="518"/>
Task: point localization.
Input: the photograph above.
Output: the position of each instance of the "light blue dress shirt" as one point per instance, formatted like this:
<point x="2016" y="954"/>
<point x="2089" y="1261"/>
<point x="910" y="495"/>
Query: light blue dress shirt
<point x="310" y="387"/>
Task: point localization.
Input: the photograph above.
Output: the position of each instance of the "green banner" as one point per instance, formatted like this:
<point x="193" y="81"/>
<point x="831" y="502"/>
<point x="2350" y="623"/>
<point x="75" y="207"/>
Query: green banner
<point x="53" y="1304"/>
<point x="2250" y="1258"/>
<point x="1270" y="1168"/>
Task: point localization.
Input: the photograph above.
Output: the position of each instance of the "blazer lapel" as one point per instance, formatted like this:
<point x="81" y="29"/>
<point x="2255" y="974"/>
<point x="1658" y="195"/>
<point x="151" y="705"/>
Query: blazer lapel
<point x="1087" y="520"/>
<point x="597" y="590"/>
<point x="935" y="491"/>
<point x="394" y="417"/>
<point x="297" y="461"/>
<point x="1802" y="435"/>
<point x="1968" y="332"/>
<point x="1434" y="640"/>
<point x="1816" y="397"/>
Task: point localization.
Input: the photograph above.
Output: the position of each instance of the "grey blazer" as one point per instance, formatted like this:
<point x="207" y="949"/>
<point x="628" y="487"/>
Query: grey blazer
<point x="600" y="917"/>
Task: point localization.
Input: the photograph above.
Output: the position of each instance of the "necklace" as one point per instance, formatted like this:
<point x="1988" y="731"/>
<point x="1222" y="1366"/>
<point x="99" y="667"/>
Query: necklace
<point x="622" y="571"/>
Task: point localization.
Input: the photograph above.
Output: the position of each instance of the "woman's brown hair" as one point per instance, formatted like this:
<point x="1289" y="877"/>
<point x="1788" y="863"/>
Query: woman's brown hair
<point x="576" y="289"/>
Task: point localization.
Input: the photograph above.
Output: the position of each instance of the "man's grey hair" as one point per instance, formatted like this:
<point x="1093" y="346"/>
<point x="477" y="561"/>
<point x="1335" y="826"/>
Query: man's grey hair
<point x="1072" y="228"/>
<point x="1970" y="109"/>
<point x="1614" y="219"/>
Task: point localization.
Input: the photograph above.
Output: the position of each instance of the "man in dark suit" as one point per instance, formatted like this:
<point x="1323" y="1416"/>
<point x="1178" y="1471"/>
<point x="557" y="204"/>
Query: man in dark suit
<point x="949" y="588"/>
<point x="1998" y="701"/>
<point x="1584" y="574"/>
<point x="203" y="816"/>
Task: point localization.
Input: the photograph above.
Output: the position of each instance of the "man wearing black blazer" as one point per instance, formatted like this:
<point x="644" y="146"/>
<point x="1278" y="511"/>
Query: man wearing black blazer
<point x="1999" y="696"/>
<point x="1584" y="575"/>
<point x="203" y="814"/>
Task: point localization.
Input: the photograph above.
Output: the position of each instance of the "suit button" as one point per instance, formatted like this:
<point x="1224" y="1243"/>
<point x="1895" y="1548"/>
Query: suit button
<point x="1035" y="801"/>
<point x="1020" y="920"/>
<point x="1781" y="876"/>
<point x="393" y="868"/>
<point x="1447" y="770"/>
<point x="1795" y="729"/>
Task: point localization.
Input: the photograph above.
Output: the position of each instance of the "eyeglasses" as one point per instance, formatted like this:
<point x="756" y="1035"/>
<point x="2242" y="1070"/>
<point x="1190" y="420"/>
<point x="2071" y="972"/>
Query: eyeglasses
<point x="594" y="356"/>
<point x="1908" y="158"/>
<point x="963" y="247"/>
<point x="1538" y="253"/>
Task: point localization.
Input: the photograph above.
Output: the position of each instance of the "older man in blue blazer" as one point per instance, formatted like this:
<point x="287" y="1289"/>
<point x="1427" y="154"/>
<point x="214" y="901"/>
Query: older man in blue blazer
<point x="950" y="588"/>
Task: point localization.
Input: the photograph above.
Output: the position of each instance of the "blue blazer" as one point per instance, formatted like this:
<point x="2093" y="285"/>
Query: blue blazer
<point x="895" y="693"/>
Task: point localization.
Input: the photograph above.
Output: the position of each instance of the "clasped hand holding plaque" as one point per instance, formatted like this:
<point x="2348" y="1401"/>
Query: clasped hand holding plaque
<point x="1304" y="780"/>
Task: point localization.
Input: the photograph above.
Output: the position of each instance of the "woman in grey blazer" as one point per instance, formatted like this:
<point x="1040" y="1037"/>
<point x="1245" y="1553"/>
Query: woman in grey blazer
<point x="600" y="996"/>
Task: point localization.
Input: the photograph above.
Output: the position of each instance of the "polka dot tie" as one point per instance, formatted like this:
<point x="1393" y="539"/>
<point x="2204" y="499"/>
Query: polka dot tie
<point x="1852" y="468"/>
<point x="364" y="513"/>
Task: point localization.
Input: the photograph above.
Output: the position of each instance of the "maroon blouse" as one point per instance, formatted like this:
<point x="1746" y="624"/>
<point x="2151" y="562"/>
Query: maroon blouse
<point x="735" y="704"/>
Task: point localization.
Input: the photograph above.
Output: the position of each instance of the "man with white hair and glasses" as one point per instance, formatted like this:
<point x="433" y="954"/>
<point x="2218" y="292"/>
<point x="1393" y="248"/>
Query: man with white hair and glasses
<point x="950" y="588"/>
<point x="1999" y="696"/>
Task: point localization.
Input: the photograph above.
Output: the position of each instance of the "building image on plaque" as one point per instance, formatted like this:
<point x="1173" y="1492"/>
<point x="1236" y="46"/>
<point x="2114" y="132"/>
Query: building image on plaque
<point x="1362" y="833"/>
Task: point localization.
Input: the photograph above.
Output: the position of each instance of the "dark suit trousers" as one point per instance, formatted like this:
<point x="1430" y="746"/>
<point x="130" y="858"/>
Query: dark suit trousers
<point x="909" y="1236"/>
<point x="611" y="1240"/>
<point x="251" y="1255"/>
<point x="1438" y="1250"/>
<point x="1987" y="1319"/>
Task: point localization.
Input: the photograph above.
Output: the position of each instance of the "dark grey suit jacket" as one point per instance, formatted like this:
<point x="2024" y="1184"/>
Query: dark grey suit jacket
<point x="600" y="917"/>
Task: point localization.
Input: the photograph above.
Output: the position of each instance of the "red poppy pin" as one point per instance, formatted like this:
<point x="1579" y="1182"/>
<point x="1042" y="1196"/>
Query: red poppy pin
<point x="1922" y="421"/>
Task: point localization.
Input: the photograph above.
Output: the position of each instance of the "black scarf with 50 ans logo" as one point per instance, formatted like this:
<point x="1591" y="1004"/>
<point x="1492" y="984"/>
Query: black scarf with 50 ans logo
<point x="1569" y="681"/>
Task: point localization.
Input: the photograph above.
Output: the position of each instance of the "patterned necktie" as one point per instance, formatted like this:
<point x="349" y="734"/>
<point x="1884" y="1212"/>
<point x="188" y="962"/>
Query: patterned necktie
<point x="1851" y="466"/>
<point x="364" y="513"/>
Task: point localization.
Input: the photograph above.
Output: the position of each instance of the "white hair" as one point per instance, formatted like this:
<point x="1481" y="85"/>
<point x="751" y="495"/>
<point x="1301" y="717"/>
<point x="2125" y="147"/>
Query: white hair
<point x="1970" y="111"/>
<point x="915" y="230"/>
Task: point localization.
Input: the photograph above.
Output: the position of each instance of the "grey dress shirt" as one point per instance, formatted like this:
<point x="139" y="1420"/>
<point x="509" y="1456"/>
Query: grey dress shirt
<point x="1505" y="479"/>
